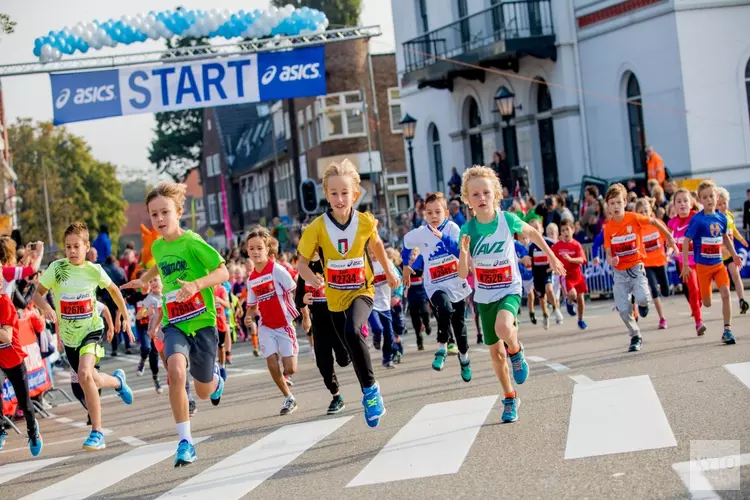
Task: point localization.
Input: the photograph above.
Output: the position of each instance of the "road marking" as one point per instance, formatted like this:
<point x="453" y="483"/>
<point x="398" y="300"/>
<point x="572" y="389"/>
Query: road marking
<point x="741" y="371"/>
<point x="80" y="425"/>
<point x="581" y="379"/>
<point x="64" y="420"/>
<point x="135" y="361"/>
<point x="107" y="432"/>
<point x="481" y="349"/>
<point x="51" y="415"/>
<point x="132" y="441"/>
<point x="536" y="359"/>
<point x="105" y="474"/>
<point x="445" y="430"/>
<point x="12" y="471"/>
<point x="692" y="474"/>
<point x="558" y="367"/>
<point x="46" y="445"/>
<point x="604" y="413"/>
<point x="239" y="474"/>
<point x="412" y="345"/>
<point x="618" y="474"/>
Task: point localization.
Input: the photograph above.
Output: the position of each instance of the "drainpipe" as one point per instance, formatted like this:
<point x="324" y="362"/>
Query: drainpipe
<point x="579" y="76"/>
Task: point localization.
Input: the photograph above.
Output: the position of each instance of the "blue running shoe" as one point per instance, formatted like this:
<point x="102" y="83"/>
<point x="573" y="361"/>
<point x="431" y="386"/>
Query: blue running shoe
<point x="510" y="409"/>
<point x="223" y="373"/>
<point x="582" y="324"/>
<point x="124" y="391"/>
<point x="95" y="442"/>
<point x="373" y="403"/>
<point x="727" y="337"/>
<point x="439" y="361"/>
<point x="642" y="311"/>
<point x="35" y="441"/>
<point x="571" y="308"/>
<point x="520" y="367"/>
<point x="3" y="435"/>
<point x="466" y="370"/>
<point x="185" y="454"/>
<point x="216" y="396"/>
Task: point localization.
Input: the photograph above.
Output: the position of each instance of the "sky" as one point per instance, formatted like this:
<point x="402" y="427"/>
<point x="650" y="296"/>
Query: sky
<point x="123" y="141"/>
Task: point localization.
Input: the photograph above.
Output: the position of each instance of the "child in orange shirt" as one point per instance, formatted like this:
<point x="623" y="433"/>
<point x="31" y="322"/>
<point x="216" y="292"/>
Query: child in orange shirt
<point x="622" y="242"/>
<point x="655" y="260"/>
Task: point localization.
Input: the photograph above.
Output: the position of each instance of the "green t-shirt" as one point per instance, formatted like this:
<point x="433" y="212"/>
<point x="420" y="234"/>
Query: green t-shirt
<point x="478" y="231"/>
<point x="74" y="289"/>
<point x="531" y="215"/>
<point x="187" y="258"/>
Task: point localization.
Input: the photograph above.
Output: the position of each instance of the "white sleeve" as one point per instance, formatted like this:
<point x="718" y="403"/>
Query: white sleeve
<point x="99" y="308"/>
<point x="452" y="230"/>
<point x="283" y="277"/>
<point x="413" y="239"/>
<point x="251" y="298"/>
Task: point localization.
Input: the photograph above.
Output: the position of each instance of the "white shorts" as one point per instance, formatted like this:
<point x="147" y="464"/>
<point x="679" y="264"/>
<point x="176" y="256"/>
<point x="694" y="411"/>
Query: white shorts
<point x="556" y="285"/>
<point x="277" y="340"/>
<point x="528" y="286"/>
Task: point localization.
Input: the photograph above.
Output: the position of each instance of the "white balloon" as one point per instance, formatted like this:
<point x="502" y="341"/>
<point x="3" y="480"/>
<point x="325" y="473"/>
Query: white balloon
<point x="289" y="9"/>
<point x="273" y="10"/>
<point x="78" y="30"/>
<point x="46" y="49"/>
<point x="87" y="36"/>
<point x="151" y="19"/>
<point x="56" y="54"/>
<point x="153" y="34"/>
<point x="212" y="13"/>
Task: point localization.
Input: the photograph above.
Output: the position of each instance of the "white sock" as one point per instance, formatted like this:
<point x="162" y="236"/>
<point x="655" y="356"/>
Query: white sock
<point x="463" y="357"/>
<point x="183" y="430"/>
<point x="441" y="347"/>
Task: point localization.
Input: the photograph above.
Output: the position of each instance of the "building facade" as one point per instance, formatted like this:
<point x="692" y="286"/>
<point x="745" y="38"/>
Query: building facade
<point x="595" y="81"/>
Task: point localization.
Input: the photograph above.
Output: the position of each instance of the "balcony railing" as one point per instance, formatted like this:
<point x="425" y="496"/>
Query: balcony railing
<point x="506" y="21"/>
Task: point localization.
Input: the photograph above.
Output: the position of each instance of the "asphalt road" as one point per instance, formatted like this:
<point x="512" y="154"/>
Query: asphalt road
<point x="595" y="422"/>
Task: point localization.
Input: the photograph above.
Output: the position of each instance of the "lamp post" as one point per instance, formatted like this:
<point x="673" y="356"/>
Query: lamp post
<point x="408" y="124"/>
<point x="40" y="159"/>
<point x="505" y="101"/>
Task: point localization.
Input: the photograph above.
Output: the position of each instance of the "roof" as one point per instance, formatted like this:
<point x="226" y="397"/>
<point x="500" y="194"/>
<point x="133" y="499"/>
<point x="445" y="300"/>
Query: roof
<point x="136" y="215"/>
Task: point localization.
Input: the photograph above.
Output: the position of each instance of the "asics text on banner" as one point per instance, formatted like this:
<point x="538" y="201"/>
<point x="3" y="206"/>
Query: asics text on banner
<point x="85" y="96"/>
<point x="298" y="73"/>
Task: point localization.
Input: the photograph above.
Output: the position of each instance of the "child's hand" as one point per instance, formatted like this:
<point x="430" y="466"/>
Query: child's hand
<point x="307" y="299"/>
<point x="557" y="266"/>
<point x="395" y="301"/>
<point x="526" y="261"/>
<point x="437" y="233"/>
<point x="465" y="243"/>
<point x="50" y="315"/>
<point x="318" y="282"/>
<point x="615" y="260"/>
<point x="685" y="273"/>
<point x="306" y="324"/>
<point x="249" y="321"/>
<point x="408" y="271"/>
<point x="133" y="285"/>
<point x="126" y="328"/>
<point x="737" y="261"/>
<point x="110" y="333"/>
<point x="392" y="279"/>
<point x="566" y="257"/>
<point x="188" y="290"/>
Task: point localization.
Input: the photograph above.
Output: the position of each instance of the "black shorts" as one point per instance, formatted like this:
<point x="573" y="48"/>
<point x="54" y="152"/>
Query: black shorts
<point x="95" y="339"/>
<point x="199" y="349"/>
<point x="657" y="276"/>
<point x="727" y="262"/>
<point x="541" y="280"/>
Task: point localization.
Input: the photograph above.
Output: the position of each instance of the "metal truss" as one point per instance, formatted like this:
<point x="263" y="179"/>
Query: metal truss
<point x="193" y="53"/>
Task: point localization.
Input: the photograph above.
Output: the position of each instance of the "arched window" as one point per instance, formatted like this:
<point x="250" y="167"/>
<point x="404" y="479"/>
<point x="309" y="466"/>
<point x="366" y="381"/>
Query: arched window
<point x="747" y="85"/>
<point x="543" y="97"/>
<point x="474" y="121"/>
<point x="635" y="124"/>
<point x="437" y="157"/>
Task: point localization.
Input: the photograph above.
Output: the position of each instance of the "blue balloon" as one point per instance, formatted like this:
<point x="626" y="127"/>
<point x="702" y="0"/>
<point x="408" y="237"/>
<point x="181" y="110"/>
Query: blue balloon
<point x="38" y="42"/>
<point x="84" y="48"/>
<point x="52" y="39"/>
<point x="38" y="51"/>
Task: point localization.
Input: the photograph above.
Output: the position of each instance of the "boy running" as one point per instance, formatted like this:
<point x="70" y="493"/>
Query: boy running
<point x="722" y="205"/>
<point x="542" y="276"/>
<point x="570" y="253"/>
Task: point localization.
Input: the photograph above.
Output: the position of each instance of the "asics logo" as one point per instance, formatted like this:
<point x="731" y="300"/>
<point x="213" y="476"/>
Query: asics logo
<point x="63" y="98"/>
<point x="269" y="75"/>
<point x="293" y="73"/>
<point x="86" y="95"/>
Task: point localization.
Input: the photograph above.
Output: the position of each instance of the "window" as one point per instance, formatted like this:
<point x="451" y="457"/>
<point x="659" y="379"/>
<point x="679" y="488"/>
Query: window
<point x="213" y="214"/>
<point x="635" y="124"/>
<point x="747" y="85"/>
<point x="287" y="127"/>
<point x="340" y="115"/>
<point x="394" y="107"/>
<point x="301" y="127"/>
<point x="437" y="158"/>
<point x="310" y="134"/>
<point x="213" y="165"/>
<point x="285" y="188"/>
<point x="463" y="11"/>
<point x="208" y="124"/>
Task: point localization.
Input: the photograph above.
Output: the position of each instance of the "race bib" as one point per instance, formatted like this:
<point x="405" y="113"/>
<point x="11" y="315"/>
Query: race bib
<point x="681" y="241"/>
<point x="138" y="308"/>
<point x="183" y="311"/>
<point x="443" y="269"/>
<point x="379" y="273"/>
<point x="263" y="287"/>
<point x="624" y="245"/>
<point x="711" y="247"/>
<point x="652" y="242"/>
<point x="318" y="294"/>
<point x="346" y="274"/>
<point x="541" y="259"/>
<point x="493" y="273"/>
<point x="76" y="306"/>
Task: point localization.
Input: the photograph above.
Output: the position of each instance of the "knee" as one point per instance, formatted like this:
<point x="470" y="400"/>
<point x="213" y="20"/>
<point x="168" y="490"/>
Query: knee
<point x="503" y="331"/>
<point x="85" y="375"/>
<point x="290" y="370"/>
<point x="177" y="371"/>
<point x="724" y="292"/>
<point x="706" y="301"/>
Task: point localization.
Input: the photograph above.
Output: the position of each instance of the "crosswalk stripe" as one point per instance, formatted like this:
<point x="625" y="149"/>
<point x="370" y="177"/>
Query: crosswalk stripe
<point x="741" y="371"/>
<point x="12" y="471"/>
<point x="105" y="474"/>
<point x="434" y="442"/>
<point x="239" y="474"/>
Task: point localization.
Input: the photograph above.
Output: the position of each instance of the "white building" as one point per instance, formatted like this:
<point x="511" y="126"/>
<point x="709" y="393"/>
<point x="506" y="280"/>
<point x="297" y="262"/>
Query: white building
<point x="594" y="80"/>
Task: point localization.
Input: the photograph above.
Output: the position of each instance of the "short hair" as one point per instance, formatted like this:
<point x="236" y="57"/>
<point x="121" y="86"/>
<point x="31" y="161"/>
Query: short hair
<point x="139" y="273"/>
<point x="481" y="172"/>
<point x="722" y="192"/>
<point x="566" y="222"/>
<point x="262" y="233"/>
<point x="273" y="248"/>
<point x="7" y="251"/>
<point x="705" y="185"/>
<point x="394" y="255"/>
<point x="592" y="190"/>
<point x="78" y="229"/>
<point x="173" y="191"/>
<point x="644" y="203"/>
<point x="437" y="198"/>
<point x="616" y="190"/>
<point x="344" y="169"/>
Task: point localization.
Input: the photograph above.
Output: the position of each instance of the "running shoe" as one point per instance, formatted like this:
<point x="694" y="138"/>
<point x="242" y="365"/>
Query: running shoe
<point x="480" y="341"/>
<point x="256" y="353"/>
<point x="635" y="343"/>
<point x="35" y="440"/>
<point x="452" y="349"/>
<point x="744" y="306"/>
<point x="545" y="323"/>
<point x="216" y="396"/>
<point x="3" y="435"/>
<point x="662" y="324"/>
<point x="582" y="324"/>
<point x="642" y="311"/>
<point x="388" y="364"/>
<point x="290" y="404"/>
<point x="94" y="442"/>
<point x="337" y="405"/>
<point x="558" y="316"/>
<point x="141" y="367"/>
<point x="192" y="408"/>
<point x="229" y="358"/>
<point x="420" y="347"/>
<point x="373" y="403"/>
<point x="466" y="370"/>
<point x="428" y="330"/>
<point x="532" y="318"/>
<point x="157" y="387"/>
<point x="376" y="345"/>
<point x="510" y="409"/>
<point x="223" y="373"/>
<point x="439" y="361"/>
<point x="397" y="357"/>
<point x="571" y="308"/>
<point x="289" y="380"/>
<point x="520" y="367"/>
<point x="185" y="454"/>
<point x="124" y="391"/>
<point x="700" y="329"/>
<point x="727" y="337"/>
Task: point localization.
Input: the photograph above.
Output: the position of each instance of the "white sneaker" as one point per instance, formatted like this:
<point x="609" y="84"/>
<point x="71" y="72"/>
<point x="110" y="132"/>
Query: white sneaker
<point x="546" y="322"/>
<point x="558" y="316"/>
<point x="290" y="404"/>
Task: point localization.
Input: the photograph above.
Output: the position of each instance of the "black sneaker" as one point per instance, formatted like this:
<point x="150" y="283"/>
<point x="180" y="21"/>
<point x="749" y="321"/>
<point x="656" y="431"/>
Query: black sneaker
<point x="428" y="330"/>
<point x="635" y="343"/>
<point x="192" y="407"/>
<point x="642" y="311"/>
<point x="479" y="339"/>
<point x="376" y="345"/>
<point x="336" y="406"/>
<point x="744" y="306"/>
<point x="532" y="318"/>
<point x="290" y="404"/>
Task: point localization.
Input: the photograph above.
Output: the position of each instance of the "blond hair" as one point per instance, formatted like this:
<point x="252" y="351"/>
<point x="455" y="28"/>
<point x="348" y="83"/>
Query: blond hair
<point x="688" y="195"/>
<point x="394" y="255"/>
<point x="722" y="192"/>
<point x="644" y="203"/>
<point x="78" y="229"/>
<point x="173" y="191"/>
<point x="343" y="169"/>
<point x="481" y="172"/>
<point x="616" y="190"/>
<point x="705" y="185"/>
<point x="7" y="251"/>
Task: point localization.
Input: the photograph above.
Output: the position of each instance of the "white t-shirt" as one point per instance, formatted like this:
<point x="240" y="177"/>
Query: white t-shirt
<point x="383" y="292"/>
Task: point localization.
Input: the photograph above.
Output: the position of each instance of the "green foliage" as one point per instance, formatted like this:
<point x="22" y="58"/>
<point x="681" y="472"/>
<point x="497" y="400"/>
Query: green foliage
<point x="7" y="26"/>
<point x="339" y="12"/>
<point x="80" y="187"/>
<point x="135" y="191"/>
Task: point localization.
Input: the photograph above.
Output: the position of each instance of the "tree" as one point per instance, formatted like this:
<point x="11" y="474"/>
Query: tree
<point x="339" y="12"/>
<point x="135" y="191"/>
<point x="79" y="186"/>
<point x="7" y="26"/>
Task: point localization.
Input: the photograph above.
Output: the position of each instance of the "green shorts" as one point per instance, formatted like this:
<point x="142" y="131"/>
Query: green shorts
<point x="488" y="315"/>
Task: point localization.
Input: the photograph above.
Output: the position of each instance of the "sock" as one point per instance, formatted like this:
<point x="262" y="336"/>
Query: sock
<point x="441" y="346"/>
<point x="463" y="357"/>
<point x="516" y="352"/>
<point x="727" y="327"/>
<point x="511" y="395"/>
<point x="183" y="430"/>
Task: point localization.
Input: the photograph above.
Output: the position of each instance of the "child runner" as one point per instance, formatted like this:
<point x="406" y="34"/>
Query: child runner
<point x="148" y="350"/>
<point x="342" y="236"/>
<point x="552" y="233"/>
<point x="655" y="260"/>
<point x="708" y="231"/>
<point x="542" y="275"/>
<point x="73" y="282"/>
<point x="222" y="326"/>
<point x="524" y="269"/>
<point x="722" y="203"/>
<point x="438" y="242"/>
<point x="381" y="319"/>
<point x="686" y="208"/>
<point x="189" y="269"/>
<point x="416" y="298"/>
<point x="570" y="253"/>
<point x="397" y="308"/>
<point x="270" y="290"/>
<point x="622" y="242"/>
<point x="486" y="243"/>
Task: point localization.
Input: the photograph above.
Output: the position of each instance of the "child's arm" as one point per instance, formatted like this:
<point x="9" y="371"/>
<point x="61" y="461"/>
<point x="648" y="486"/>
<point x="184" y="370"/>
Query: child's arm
<point x="110" y="326"/>
<point x="190" y="288"/>
<point x="38" y="298"/>
<point x="114" y="292"/>
<point x="141" y="283"/>
<point x="303" y="268"/>
<point x="450" y="244"/>
<point x="664" y="230"/>
<point x="685" y="257"/>
<point x="612" y="261"/>
<point x="154" y="322"/>
<point x="222" y="302"/>
<point x="537" y="238"/>
<point x="306" y="321"/>
<point x="739" y="237"/>
<point x="464" y="258"/>
<point x="729" y="243"/>
<point x="6" y="334"/>
<point x="252" y="312"/>
<point x="377" y="247"/>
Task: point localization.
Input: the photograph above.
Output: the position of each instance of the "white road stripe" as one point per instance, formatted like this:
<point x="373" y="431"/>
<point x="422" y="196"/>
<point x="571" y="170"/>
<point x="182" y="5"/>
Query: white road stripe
<point x="581" y="379"/>
<point x="105" y="474"/>
<point x="132" y="441"/>
<point x="435" y="442"/>
<point x="239" y="474"/>
<point x="107" y="432"/>
<point x="741" y="371"/>
<point x="692" y="474"/>
<point x="14" y="470"/>
<point x="46" y="445"/>
<point x="64" y="420"/>
<point x="480" y="349"/>
<point x="602" y="418"/>
<point x="536" y="359"/>
<point x="558" y="367"/>
<point x="80" y="425"/>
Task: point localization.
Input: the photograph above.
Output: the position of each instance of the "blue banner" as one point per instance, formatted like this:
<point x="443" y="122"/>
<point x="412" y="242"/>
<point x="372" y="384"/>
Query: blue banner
<point x="168" y="87"/>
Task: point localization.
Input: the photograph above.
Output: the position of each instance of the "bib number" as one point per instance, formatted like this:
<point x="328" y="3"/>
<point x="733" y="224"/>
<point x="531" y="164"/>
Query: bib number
<point x="379" y="278"/>
<point x="711" y="248"/>
<point x="346" y="274"/>
<point x="681" y="242"/>
<point x="264" y="287"/>
<point x="318" y="294"/>
<point x="443" y="269"/>
<point x="493" y="274"/>
<point x="541" y="260"/>
<point x="652" y="242"/>
<point x="624" y="245"/>
<point x="76" y="306"/>
<point x="178" y="312"/>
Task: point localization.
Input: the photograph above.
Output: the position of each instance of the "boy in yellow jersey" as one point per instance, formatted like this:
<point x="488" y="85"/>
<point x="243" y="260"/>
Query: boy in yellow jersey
<point x="341" y="237"/>
<point x="722" y="203"/>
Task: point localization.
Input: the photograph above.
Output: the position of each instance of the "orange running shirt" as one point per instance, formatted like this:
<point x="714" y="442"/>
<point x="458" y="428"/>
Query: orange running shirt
<point x="624" y="239"/>
<point x="653" y="247"/>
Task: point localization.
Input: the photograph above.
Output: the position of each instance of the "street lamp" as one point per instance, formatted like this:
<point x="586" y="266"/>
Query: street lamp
<point x="505" y="101"/>
<point x="408" y="124"/>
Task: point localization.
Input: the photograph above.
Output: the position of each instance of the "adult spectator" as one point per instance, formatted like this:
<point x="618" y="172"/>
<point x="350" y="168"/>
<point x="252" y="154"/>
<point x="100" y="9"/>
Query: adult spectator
<point x="456" y="215"/>
<point x="655" y="166"/>
<point x="565" y="213"/>
<point x="590" y="196"/>
<point x="103" y="244"/>
<point x="455" y="183"/>
<point x="500" y="166"/>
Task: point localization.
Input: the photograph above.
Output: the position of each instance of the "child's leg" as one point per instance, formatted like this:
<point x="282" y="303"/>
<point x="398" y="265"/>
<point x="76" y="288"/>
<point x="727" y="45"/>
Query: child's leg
<point x="739" y="286"/>
<point x="228" y="347"/>
<point x="621" y="292"/>
<point x="652" y="275"/>
<point x="220" y="348"/>
<point x="581" y="298"/>
<point x="274" y="369"/>
<point x="18" y="379"/>
<point x="692" y="291"/>
<point x="386" y="320"/>
<point x="705" y="283"/>
<point x="550" y="291"/>
<point x="639" y="286"/>
<point x="153" y="361"/>
<point x="324" y="355"/>
<point x="443" y="310"/>
<point x="458" y="322"/>
<point x="425" y="314"/>
<point x="202" y="355"/>
<point x="349" y="325"/>
<point x="726" y="305"/>
<point x="377" y="328"/>
<point x="416" y="322"/>
<point x="91" y="381"/>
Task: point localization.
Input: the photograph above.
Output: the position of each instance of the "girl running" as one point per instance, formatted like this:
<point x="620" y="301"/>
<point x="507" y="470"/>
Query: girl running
<point x="189" y="269"/>
<point x="570" y="253"/>
<point x="655" y="260"/>
<point x="487" y="244"/>
<point x="542" y="276"/>
<point x="722" y="203"/>
<point x="222" y="326"/>
<point x="148" y="350"/>
<point x="342" y="236"/>
<point x="397" y="308"/>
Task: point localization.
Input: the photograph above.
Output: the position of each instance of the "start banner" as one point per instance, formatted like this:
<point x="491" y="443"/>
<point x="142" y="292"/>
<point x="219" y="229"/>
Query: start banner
<point x="260" y="77"/>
